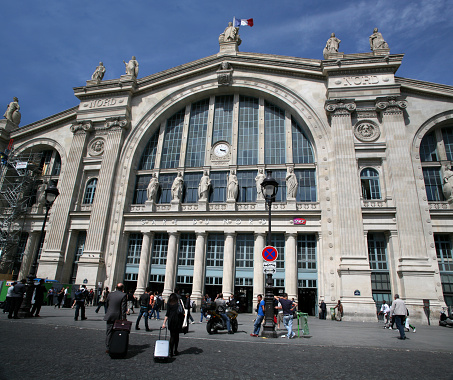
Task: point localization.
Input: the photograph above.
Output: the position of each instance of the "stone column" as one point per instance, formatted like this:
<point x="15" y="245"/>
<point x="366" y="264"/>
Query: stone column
<point x="199" y="268"/>
<point x="414" y="266"/>
<point x="228" y="265"/>
<point x="258" y="275"/>
<point x="29" y="255"/>
<point x="145" y="259"/>
<point x="50" y="263"/>
<point x="92" y="259"/>
<point x="170" y="269"/>
<point x="354" y="269"/>
<point x="291" y="266"/>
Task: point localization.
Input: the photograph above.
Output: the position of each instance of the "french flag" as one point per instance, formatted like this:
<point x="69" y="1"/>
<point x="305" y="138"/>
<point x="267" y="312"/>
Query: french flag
<point x="242" y="22"/>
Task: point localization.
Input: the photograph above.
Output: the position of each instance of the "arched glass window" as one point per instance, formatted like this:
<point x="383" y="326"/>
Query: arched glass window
<point x="447" y="135"/>
<point x="274" y="135"/>
<point x="302" y="149"/>
<point x="89" y="191"/>
<point x="248" y="131"/>
<point x="222" y="129"/>
<point x="196" y="139"/>
<point x="172" y="141"/>
<point x="428" y="148"/>
<point x="149" y="154"/>
<point x="370" y="184"/>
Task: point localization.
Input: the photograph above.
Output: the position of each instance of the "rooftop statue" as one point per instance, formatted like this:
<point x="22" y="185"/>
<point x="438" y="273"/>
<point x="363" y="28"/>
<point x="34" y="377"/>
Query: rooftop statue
<point x="332" y="46"/>
<point x="99" y="72"/>
<point x="12" y="112"/>
<point x="132" y="67"/>
<point x="377" y="41"/>
<point x="230" y="34"/>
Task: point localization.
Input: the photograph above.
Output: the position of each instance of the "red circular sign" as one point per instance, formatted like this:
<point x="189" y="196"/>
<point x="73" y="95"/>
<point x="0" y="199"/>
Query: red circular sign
<point x="270" y="253"/>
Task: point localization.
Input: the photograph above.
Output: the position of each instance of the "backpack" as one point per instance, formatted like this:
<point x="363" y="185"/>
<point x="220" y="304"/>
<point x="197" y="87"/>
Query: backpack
<point x="79" y="294"/>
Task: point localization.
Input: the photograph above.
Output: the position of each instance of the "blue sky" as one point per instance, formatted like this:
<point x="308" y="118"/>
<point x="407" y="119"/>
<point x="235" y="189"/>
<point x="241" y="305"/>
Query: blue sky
<point x="49" y="47"/>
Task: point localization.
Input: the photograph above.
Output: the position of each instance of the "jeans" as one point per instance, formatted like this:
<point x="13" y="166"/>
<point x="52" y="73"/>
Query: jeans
<point x="288" y="323"/>
<point x="143" y="312"/>
<point x="257" y="324"/>
<point x="399" y="319"/>
<point x="80" y="305"/>
<point x="227" y="320"/>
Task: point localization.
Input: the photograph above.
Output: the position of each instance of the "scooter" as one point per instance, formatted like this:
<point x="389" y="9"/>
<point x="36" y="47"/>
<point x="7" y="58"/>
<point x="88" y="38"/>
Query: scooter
<point x="216" y="322"/>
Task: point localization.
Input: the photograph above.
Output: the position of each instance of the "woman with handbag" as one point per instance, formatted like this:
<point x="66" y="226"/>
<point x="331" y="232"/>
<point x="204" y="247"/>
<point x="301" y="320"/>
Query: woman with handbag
<point x="174" y="318"/>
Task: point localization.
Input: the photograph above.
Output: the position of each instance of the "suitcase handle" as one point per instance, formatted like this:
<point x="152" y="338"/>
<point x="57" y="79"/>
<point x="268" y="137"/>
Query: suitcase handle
<point x="160" y="330"/>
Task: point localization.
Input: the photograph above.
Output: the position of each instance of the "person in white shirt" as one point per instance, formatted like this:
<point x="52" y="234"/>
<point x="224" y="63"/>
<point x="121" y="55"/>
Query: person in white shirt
<point x="385" y="310"/>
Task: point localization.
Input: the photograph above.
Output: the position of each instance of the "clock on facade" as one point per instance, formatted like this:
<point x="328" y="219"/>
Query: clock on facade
<point x="221" y="149"/>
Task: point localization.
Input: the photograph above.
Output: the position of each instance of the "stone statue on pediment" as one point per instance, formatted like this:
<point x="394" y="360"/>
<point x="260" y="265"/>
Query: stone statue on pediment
<point x="447" y="186"/>
<point x="204" y="186"/>
<point x="132" y="67"/>
<point x="12" y="112"/>
<point x="377" y="42"/>
<point x="332" y="46"/>
<point x="233" y="186"/>
<point x="291" y="184"/>
<point x="99" y="72"/>
<point x="153" y="186"/>
<point x="231" y="34"/>
<point x="258" y="181"/>
<point x="177" y="187"/>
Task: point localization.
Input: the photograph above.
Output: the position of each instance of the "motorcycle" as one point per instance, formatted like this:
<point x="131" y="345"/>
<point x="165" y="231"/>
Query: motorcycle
<point x="216" y="322"/>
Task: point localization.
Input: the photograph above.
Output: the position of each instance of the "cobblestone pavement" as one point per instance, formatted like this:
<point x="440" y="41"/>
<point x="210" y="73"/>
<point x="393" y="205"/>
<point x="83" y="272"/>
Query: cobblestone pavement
<point x="57" y="347"/>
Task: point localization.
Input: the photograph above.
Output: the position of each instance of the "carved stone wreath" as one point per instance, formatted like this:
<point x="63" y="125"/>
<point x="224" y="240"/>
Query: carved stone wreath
<point x="96" y="147"/>
<point x="367" y="131"/>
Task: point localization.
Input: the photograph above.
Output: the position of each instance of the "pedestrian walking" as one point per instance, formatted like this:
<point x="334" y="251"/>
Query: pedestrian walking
<point x="8" y="301"/>
<point x="188" y="307"/>
<point x="60" y="298"/>
<point x="279" y="315"/>
<point x="174" y="319"/>
<point x="102" y="300"/>
<point x="116" y="305"/>
<point x="203" y="308"/>
<point x="408" y="325"/>
<point x="130" y="302"/>
<point x="288" y="309"/>
<point x="385" y="310"/>
<point x="80" y="298"/>
<point x="323" y="308"/>
<point x="144" y="308"/>
<point x="50" y="295"/>
<point x="40" y="289"/>
<point x="16" y="298"/>
<point x="339" y="312"/>
<point x="399" y="310"/>
<point x="259" y="317"/>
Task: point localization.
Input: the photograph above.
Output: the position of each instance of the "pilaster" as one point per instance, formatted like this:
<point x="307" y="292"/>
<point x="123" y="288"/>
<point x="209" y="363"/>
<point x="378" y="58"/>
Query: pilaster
<point x="258" y="274"/>
<point x="50" y="263"/>
<point x="199" y="268"/>
<point x="291" y="266"/>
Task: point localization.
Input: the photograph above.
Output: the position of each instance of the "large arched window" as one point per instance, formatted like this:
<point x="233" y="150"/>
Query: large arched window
<point x="436" y="150"/>
<point x="90" y="191"/>
<point x="369" y="179"/>
<point x="254" y="131"/>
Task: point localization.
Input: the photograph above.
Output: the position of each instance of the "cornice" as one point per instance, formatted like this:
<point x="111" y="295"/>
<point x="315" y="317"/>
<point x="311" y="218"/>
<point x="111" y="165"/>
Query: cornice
<point x="421" y="87"/>
<point x="58" y="118"/>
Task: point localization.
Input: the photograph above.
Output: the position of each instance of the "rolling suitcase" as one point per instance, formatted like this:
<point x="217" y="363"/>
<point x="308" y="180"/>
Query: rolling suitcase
<point x="162" y="348"/>
<point x="120" y="339"/>
<point x="119" y="344"/>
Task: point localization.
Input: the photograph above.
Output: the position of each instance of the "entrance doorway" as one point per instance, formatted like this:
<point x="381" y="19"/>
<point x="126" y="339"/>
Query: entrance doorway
<point x="244" y="294"/>
<point x="307" y="301"/>
<point x="212" y="291"/>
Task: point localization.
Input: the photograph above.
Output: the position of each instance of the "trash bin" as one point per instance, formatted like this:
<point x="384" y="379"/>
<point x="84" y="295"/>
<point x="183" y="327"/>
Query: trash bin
<point x="302" y="323"/>
<point x="332" y="313"/>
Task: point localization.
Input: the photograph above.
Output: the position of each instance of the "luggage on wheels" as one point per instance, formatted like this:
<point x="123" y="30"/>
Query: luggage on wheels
<point x="120" y="339"/>
<point x="162" y="348"/>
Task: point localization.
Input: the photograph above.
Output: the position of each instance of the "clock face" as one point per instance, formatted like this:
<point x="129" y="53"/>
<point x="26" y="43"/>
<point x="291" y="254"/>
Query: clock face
<point x="221" y="150"/>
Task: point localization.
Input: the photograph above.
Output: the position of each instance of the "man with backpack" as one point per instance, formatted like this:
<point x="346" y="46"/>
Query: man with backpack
<point x="80" y="297"/>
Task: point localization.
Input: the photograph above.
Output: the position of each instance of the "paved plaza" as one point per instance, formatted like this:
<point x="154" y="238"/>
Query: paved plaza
<point x="57" y="347"/>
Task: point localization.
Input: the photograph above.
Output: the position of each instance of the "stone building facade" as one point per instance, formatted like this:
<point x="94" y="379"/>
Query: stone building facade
<point x="370" y="215"/>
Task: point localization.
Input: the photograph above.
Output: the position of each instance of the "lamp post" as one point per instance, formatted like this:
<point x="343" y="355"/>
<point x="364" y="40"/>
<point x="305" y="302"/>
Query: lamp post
<point x="51" y="193"/>
<point x="269" y="187"/>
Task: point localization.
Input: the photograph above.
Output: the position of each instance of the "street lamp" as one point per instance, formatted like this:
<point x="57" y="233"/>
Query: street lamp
<point x="269" y="187"/>
<point x="51" y="193"/>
